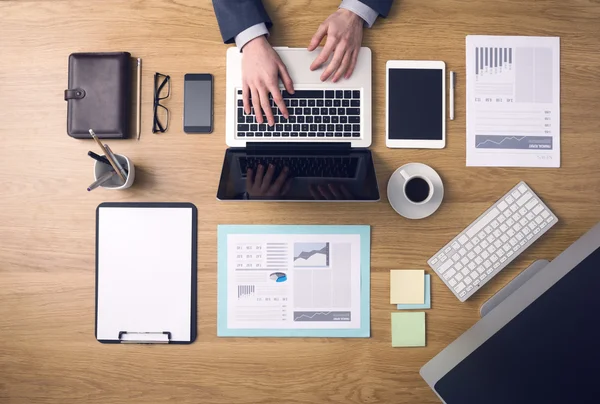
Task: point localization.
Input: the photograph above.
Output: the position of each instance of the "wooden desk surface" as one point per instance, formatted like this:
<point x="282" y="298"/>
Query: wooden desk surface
<point x="48" y="352"/>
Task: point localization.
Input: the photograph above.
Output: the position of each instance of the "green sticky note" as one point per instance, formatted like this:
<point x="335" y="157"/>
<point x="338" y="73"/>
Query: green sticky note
<point x="408" y="329"/>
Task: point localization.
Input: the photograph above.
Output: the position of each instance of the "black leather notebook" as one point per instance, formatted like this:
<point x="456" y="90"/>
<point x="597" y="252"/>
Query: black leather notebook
<point x="99" y="95"/>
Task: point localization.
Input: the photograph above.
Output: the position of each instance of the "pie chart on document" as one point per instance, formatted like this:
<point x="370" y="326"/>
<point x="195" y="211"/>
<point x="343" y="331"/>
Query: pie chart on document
<point x="278" y="277"/>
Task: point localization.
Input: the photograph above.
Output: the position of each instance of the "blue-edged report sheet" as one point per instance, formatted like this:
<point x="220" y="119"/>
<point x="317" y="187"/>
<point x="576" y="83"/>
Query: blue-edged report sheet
<point x="293" y="281"/>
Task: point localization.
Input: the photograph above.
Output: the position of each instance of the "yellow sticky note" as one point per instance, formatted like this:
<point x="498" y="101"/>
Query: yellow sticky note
<point x="408" y="329"/>
<point x="407" y="286"/>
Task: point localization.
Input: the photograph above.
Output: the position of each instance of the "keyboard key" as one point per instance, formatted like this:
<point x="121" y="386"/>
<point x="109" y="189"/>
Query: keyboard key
<point x="462" y="251"/>
<point x="311" y="103"/>
<point x="320" y="134"/>
<point x="356" y="128"/>
<point x="464" y="260"/>
<point x="332" y="111"/>
<point x="356" y="94"/>
<point x="502" y="205"/>
<point x="249" y="134"/>
<point x="341" y="111"/>
<point x="465" y="271"/>
<point x="329" y="103"/>
<point x="339" y="94"/>
<point x="449" y="274"/>
<point x="355" y="103"/>
<point x="347" y="94"/>
<point x="459" y="276"/>
<point x="352" y="111"/>
<point x="471" y="255"/>
<point x="329" y="134"/>
<point x="303" y="103"/>
<point x="467" y="280"/>
<point x="463" y="239"/>
<point x="536" y="210"/>
<point x="354" y="119"/>
<point x="343" y="119"/>
<point x="347" y="134"/>
<point x="452" y="282"/>
<point x="243" y="128"/>
<point x="329" y="94"/>
<point x="294" y="103"/>
<point x="241" y="134"/>
<point x="303" y="94"/>
<point x="345" y="103"/>
<point x="459" y="287"/>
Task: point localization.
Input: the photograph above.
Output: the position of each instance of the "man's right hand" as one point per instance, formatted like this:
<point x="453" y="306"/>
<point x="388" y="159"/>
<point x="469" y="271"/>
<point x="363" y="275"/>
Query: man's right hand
<point x="261" y="69"/>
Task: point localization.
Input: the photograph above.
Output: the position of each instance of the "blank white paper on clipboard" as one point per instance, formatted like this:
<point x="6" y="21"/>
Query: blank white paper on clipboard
<point x="146" y="272"/>
<point x="513" y="101"/>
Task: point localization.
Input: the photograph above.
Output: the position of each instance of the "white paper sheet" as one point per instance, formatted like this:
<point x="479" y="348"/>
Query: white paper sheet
<point x="144" y="271"/>
<point x="513" y="101"/>
<point x="293" y="281"/>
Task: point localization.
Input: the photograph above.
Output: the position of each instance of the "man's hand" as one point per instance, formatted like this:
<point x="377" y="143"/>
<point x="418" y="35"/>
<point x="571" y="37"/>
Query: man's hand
<point x="263" y="185"/>
<point x="261" y="68"/>
<point x="344" y="31"/>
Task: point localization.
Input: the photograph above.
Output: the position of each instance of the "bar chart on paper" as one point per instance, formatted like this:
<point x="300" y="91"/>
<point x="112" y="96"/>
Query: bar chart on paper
<point x="513" y="101"/>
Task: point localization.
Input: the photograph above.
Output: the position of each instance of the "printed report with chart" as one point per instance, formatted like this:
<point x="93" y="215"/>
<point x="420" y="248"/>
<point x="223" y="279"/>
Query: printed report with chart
<point x="513" y="101"/>
<point x="294" y="281"/>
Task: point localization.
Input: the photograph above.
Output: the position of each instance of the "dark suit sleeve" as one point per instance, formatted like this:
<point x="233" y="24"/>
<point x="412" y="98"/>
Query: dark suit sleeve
<point x="234" y="16"/>
<point x="381" y="6"/>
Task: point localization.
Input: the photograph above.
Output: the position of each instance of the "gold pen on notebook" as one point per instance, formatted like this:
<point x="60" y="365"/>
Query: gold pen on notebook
<point x="108" y="156"/>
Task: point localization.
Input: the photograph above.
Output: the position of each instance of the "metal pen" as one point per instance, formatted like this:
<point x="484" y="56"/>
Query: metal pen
<point x="101" y="180"/>
<point x="117" y="163"/>
<point x="452" y="87"/>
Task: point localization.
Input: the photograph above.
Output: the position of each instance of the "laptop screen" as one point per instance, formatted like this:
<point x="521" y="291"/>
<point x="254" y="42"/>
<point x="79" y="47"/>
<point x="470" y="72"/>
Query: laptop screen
<point x="548" y="353"/>
<point x="282" y="174"/>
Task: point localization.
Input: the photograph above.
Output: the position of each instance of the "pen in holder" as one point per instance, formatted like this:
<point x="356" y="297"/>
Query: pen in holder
<point x="115" y="182"/>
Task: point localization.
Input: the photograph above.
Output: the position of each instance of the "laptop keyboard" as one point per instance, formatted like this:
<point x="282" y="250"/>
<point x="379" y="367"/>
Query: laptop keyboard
<point x="304" y="166"/>
<point x="325" y="114"/>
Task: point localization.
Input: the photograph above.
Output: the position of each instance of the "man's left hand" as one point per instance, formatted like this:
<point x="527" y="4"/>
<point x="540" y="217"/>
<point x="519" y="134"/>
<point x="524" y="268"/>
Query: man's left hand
<point x="344" y="31"/>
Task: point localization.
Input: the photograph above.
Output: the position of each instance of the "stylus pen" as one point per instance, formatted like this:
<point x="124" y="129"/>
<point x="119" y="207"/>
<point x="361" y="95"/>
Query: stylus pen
<point x="103" y="178"/>
<point x="452" y="86"/>
<point x="139" y="98"/>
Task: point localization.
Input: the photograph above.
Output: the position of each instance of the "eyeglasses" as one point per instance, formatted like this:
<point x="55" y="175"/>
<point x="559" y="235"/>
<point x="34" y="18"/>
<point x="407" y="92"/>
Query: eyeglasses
<point x="162" y="91"/>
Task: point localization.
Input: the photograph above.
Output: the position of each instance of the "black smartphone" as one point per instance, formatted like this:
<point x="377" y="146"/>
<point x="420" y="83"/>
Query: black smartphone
<point x="198" y="103"/>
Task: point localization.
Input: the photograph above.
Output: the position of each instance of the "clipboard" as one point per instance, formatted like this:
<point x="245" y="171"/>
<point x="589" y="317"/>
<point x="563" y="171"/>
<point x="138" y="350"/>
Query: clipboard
<point x="146" y="273"/>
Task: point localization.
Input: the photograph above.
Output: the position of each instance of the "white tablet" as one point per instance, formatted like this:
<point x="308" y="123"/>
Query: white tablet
<point x="415" y="112"/>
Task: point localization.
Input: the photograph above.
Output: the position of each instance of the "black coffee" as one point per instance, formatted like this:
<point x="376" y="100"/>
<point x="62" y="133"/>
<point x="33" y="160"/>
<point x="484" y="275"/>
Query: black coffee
<point x="417" y="189"/>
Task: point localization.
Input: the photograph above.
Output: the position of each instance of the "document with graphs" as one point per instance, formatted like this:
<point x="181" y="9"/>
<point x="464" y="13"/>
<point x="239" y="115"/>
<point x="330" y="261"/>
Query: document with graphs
<point x="513" y="101"/>
<point x="293" y="281"/>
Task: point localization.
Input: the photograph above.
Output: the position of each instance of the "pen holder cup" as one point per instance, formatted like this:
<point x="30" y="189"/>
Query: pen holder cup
<point x="116" y="182"/>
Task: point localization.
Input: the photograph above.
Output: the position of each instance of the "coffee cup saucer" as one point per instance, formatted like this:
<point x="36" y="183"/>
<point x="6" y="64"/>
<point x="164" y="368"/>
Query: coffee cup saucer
<point x="401" y="204"/>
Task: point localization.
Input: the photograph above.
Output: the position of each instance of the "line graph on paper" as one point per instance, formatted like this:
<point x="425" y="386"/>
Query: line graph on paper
<point x="513" y="142"/>
<point x="322" y="316"/>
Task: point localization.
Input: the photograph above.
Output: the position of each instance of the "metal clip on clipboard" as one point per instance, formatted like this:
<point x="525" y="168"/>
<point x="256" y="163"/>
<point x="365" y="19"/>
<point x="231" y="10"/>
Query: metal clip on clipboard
<point x="144" y="337"/>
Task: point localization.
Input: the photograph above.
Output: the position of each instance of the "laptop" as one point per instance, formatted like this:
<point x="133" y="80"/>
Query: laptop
<point x="319" y="153"/>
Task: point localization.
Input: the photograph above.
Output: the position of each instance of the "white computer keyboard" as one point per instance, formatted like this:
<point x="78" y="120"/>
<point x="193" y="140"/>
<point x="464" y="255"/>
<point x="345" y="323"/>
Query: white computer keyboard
<point x="492" y="241"/>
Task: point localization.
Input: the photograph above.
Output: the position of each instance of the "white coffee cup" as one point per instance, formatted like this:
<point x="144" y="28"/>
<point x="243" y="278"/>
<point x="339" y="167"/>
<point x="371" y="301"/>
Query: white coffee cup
<point x="418" y="189"/>
<point x="115" y="182"/>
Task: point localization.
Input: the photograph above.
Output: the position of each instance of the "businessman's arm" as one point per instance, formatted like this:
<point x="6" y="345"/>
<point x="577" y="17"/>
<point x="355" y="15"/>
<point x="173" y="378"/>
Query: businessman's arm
<point x="344" y="31"/>
<point x="235" y="17"/>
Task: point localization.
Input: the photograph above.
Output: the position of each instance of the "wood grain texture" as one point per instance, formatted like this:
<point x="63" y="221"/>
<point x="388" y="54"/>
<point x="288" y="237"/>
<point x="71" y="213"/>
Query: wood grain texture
<point x="47" y="348"/>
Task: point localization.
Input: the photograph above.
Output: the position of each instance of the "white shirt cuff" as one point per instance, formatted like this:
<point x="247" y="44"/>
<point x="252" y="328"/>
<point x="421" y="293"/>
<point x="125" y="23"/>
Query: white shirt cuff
<point x="249" y="34"/>
<point x="361" y="9"/>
